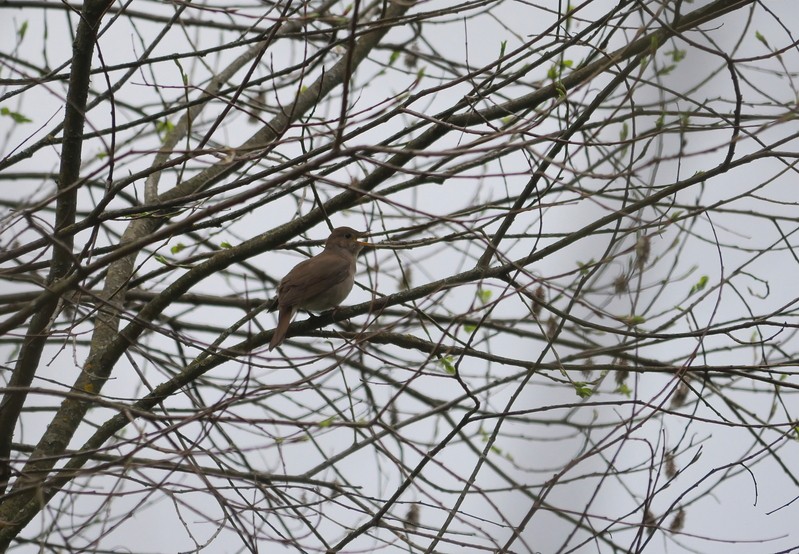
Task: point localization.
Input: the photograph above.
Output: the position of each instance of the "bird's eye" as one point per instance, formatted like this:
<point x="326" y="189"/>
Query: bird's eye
<point x="348" y="235"/>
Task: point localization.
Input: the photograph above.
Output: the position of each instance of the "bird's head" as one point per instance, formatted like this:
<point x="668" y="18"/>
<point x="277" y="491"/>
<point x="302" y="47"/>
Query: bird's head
<point x="346" y="238"/>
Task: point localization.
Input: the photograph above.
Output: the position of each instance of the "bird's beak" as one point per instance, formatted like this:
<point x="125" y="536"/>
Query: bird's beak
<point x="364" y="243"/>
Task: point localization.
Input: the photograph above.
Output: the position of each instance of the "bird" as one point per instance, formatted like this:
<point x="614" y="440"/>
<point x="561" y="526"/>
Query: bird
<point x="319" y="283"/>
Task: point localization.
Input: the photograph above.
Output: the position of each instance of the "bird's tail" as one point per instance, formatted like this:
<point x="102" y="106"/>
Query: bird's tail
<point x="283" y="321"/>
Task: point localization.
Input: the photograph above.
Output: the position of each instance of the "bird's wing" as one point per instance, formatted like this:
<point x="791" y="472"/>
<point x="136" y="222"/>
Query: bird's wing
<point x="311" y="278"/>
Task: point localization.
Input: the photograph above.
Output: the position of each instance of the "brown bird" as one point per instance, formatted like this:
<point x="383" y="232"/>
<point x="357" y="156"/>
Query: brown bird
<point x="319" y="283"/>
